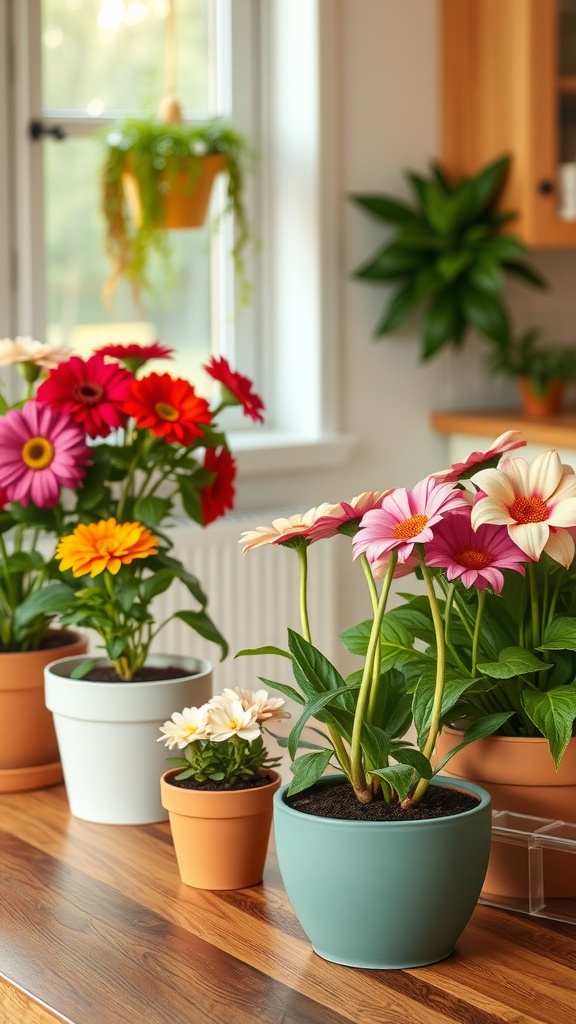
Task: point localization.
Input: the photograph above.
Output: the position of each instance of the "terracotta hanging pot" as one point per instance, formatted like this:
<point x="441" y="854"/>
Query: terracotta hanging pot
<point x="185" y="193"/>
<point x="519" y="774"/>
<point x="220" y="836"/>
<point x="535" y="403"/>
<point x="28" y="747"/>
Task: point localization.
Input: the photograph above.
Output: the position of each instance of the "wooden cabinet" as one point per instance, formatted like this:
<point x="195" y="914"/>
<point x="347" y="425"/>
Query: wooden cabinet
<point x="508" y="85"/>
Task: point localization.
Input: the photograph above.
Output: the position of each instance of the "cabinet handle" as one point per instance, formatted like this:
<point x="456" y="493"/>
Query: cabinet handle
<point x="545" y="187"/>
<point x="37" y="129"/>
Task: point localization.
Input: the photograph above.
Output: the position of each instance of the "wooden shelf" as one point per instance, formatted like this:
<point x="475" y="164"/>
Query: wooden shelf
<point x="98" y="929"/>
<point x="555" y="431"/>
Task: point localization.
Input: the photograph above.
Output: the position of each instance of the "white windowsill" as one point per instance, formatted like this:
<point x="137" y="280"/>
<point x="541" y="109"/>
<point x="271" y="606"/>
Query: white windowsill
<point x="271" y="451"/>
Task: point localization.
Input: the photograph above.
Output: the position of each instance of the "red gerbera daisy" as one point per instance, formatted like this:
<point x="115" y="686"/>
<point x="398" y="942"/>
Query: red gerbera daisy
<point x="92" y="392"/>
<point x="217" y="496"/>
<point x="134" y="355"/>
<point x="168" y="406"/>
<point x="236" y="389"/>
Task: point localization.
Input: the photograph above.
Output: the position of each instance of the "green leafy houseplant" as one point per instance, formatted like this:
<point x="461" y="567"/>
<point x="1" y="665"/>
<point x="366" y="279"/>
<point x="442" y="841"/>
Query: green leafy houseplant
<point x="491" y="642"/>
<point x="448" y="256"/>
<point x="522" y="357"/>
<point x="155" y="152"/>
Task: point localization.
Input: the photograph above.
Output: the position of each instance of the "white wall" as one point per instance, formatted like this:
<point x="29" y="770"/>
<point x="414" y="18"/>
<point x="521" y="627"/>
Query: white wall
<point x="390" y="122"/>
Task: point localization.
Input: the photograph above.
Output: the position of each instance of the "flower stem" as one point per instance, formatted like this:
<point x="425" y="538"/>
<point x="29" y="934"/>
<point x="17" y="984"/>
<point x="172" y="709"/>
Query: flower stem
<point x="439" y="687"/>
<point x="477" y="625"/>
<point x="358" y="778"/>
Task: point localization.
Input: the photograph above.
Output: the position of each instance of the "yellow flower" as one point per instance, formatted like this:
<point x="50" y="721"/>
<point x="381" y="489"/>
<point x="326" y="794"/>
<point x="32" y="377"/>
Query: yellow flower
<point x="94" y="547"/>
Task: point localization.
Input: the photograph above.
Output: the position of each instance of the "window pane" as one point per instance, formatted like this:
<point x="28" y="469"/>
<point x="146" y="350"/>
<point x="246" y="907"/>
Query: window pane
<point x="76" y="268"/>
<point x="104" y="56"/>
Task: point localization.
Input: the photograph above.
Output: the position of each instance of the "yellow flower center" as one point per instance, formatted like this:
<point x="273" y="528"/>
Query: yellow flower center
<point x="166" y="412"/>
<point x="473" y="558"/>
<point x="529" y="509"/>
<point x="409" y="528"/>
<point x="38" y="452"/>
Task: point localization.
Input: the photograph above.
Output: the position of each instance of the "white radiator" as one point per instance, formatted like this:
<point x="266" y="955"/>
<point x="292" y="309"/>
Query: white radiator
<point x="253" y="598"/>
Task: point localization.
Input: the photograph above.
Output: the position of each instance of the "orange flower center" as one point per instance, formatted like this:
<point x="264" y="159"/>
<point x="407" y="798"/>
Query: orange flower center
<point x="529" y="509"/>
<point x="409" y="528"/>
<point x="166" y="412"/>
<point x="89" y="393"/>
<point x="473" y="558"/>
<point x="38" y="452"/>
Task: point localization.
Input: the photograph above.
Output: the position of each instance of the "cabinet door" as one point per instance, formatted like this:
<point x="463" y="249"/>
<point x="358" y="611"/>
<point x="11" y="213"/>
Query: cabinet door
<point x="508" y="85"/>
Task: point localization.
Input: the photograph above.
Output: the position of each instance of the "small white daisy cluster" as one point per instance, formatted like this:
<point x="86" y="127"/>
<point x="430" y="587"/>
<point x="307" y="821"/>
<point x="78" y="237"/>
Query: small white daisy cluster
<point x="232" y="713"/>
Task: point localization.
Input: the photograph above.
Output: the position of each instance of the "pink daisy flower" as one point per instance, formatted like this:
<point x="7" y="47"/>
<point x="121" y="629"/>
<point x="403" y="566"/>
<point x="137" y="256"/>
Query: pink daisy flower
<point x="406" y="518"/>
<point x="91" y="392"/>
<point x="536" y="502"/>
<point x="505" y="442"/>
<point x="134" y="355"/>
<point x="474" y="556"/>
<point x="345" y="516"/>
<point x="285" y="529"/>
<point x="40" y="452"/>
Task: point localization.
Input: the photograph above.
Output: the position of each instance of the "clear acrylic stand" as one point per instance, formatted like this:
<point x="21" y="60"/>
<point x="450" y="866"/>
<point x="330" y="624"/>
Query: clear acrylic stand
<point x="537" y="836"/>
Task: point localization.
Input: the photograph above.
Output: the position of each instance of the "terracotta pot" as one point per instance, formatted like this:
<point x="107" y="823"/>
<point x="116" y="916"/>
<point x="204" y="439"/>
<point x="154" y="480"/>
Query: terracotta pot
<point x="28" y="747"/>
<point x="115" y="727"/>
<point x="519" y="774"/>
<point x="220" y="837"/>
<point x="187" y="195"/>
<point x="534" y="404"/>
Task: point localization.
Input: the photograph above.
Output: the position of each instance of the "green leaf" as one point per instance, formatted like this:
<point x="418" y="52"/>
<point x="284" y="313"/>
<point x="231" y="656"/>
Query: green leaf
<point x="386" y="208"/>
<point x="485" y="312"/>
<point x="483" y="189"/>
<point x="311" y="710"/>
<point x="525" y="272"/>
<point x="50" y="600"/>
<point x="553" y="713"/>
<point x="151" y="511"/>
<point x="513" y="661"/>
<point x="288" y="691"/>
<point x="402" y="303"/>
<point x="203" y="625"/>
<point x="452" y="264"/>
<point x="486" y="276"/>
<point x="391" y="262"/>
<point x="423" y="699"/>
<point x="560" y="635"/>
<point x="483" y="727"/>
<point x="308" y="769"/>
<point x="415" y="759"/>
<point x="442" y="323"/>
<point x="399" y="776"/>
<point x="269" y="649"/>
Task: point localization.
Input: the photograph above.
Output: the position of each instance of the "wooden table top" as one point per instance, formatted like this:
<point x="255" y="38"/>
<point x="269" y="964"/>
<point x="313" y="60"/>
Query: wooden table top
<point x="96" y="928"/>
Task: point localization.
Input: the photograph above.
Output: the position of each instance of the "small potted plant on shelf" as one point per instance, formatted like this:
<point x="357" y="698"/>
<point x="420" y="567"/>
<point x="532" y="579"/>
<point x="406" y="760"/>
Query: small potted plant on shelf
<point x="130" y="445"/>
<point x="542" y="371"/>
<point x="157" y="175"/>
<point x="382" y="862"/>
<point x="447" y="257"/>
<point x="219" y="792"/>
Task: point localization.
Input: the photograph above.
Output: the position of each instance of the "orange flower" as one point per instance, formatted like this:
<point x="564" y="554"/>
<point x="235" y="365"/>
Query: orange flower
<point x="94" y="547"/>
<point x="169" y="407"/>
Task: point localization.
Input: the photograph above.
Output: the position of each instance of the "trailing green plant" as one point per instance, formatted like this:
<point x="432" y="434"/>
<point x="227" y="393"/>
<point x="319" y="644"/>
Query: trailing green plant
<point x="154" y="151"/>
<point x="522" y="357"/>
<point x="448" y="256"/>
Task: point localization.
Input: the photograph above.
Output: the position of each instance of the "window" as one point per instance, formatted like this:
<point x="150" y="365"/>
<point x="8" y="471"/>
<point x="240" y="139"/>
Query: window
<point x="270" y="66"/>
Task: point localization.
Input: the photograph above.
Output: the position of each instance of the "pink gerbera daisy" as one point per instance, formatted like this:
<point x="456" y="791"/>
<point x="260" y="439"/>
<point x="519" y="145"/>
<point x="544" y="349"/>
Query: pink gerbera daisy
<point x="346" y="515"/>
<point x="285" y="530"/>
<point x="536" y="502"/>
<point x="237" y="390"/>
<point x="505" y="442"/>
<point x="40" y="452"/>
<point x="218" y="495"/>
<point x="474" y="556"/>
<point x="90" y="391"/>
<point x="406" y="518"/>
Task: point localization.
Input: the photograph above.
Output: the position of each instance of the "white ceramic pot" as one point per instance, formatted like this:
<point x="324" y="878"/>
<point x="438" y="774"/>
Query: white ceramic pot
<point x="107" y="736"/>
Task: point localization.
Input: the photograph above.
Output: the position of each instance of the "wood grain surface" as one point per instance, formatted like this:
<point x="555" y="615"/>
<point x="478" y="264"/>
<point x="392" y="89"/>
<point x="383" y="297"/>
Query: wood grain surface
<point x="96" y="928"/>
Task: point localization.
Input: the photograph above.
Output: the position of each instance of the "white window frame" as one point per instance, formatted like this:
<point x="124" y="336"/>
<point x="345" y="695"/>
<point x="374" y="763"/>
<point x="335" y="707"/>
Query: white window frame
<point x="297" y="267"/>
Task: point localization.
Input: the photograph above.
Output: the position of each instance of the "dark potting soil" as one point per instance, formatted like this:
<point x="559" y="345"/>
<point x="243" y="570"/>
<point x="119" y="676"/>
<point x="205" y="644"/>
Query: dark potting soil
<point x="148" y="674"/>
<point x="339" y="801"/>
<point x="251" y="782"/>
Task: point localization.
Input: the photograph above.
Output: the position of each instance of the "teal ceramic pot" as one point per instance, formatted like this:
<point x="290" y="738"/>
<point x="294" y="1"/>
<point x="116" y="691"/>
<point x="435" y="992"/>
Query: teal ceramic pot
<point x="383" y="894"/>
